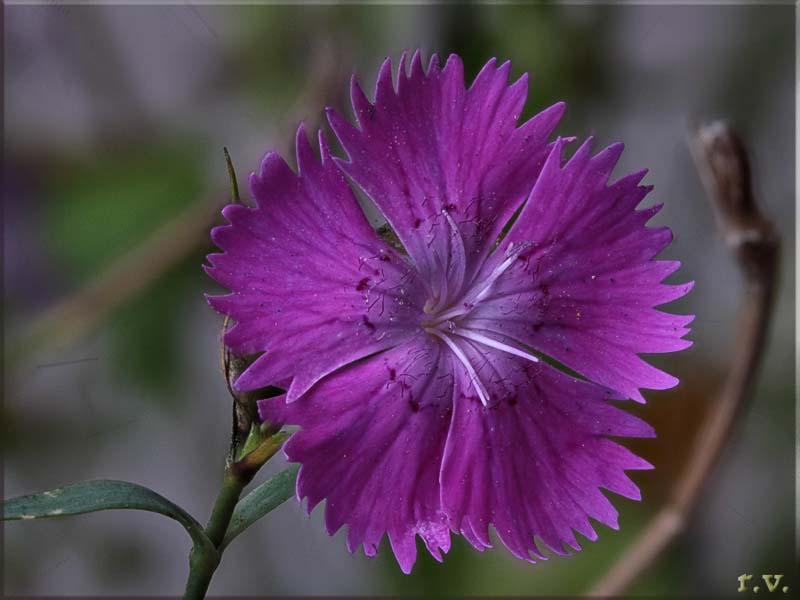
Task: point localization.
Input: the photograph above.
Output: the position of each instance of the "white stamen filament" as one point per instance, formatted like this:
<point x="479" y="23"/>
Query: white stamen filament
<point x="486" y="284"/>
<point x="453" y="312"/>
<point x="476" y="382"/>
<point x="477" y="337"/>
<point x="457" y="258"/>
<point x="456" y="242"/>
<point x="443" y="309"/>
<point x="481" y="290"/>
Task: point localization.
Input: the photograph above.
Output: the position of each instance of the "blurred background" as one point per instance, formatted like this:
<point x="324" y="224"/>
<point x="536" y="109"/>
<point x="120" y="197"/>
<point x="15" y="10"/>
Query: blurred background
<point x="115" y="119"/>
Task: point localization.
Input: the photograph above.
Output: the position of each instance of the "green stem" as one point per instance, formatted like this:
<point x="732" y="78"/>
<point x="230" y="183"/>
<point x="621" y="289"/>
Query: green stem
<point x="201" y="569"/>
<point x="202" y="562"/>
<point x="204" y="559"/>
<point x="232" y="487"/>
<point x="239" y="470"/>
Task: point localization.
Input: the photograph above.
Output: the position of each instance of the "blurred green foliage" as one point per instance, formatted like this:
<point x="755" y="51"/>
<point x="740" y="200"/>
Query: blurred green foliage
<point x="129" y="190"/>
<point x="559" y="53"/>
<point x="98" y="210"/>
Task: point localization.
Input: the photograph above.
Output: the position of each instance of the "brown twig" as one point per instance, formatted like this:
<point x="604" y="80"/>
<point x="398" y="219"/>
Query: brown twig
<point x="723" y="164"/>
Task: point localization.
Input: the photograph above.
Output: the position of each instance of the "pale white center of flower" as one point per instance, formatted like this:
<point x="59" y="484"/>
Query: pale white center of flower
<point x="448" y="320"/>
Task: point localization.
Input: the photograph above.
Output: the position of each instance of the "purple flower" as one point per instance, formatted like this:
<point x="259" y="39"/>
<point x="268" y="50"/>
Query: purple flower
<point x="418" y="378"/>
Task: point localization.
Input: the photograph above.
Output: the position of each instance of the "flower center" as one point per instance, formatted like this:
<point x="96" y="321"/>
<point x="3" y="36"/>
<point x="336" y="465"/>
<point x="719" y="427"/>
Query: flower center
<point x="447" y="323"/>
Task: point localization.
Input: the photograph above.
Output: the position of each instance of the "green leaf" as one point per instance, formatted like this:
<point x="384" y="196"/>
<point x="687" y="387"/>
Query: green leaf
<point x="262" y="500"/>
<point x="93" y="496"/>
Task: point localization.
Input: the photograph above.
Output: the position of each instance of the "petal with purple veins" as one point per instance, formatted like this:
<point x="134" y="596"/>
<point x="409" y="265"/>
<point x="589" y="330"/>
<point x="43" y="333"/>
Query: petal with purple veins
<point x="312" y="285"/>
<point x="584" y="292"/>
<point x="533" y="462"/>
<point x="445" y="149"/>
<point x="371" y="442"/>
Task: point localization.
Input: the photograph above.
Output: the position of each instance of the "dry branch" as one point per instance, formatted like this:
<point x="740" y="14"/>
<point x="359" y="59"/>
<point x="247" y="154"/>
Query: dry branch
<point x="722" y="161"/>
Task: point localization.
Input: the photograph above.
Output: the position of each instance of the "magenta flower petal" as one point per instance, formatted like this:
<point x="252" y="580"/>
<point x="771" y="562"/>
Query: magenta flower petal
<point x="312" y="285"/>
<point x="371" y="442"/>
<point x="532" y="463"/>
<point x="584" y="290"/>
<point x="448" y="155"/>
<point x="419" y="381"/>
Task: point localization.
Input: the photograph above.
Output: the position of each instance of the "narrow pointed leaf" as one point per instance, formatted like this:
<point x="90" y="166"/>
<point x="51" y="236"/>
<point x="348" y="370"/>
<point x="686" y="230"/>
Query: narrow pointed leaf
<point x="262" y="500"/>
<point x="97" y="495"/>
